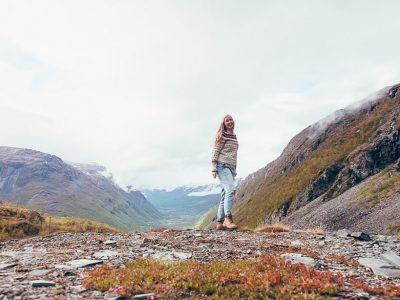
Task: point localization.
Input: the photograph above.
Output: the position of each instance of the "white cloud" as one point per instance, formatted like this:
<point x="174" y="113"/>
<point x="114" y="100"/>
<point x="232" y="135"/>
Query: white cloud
<point x="141" y="86"/>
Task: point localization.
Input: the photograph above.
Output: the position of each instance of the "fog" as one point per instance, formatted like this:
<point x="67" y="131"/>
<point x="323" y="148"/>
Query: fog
<point x="141" y="86"/>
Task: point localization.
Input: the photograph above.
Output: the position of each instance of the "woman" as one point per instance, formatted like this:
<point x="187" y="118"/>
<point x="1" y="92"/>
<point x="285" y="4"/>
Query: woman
<point x="224" y="158"/>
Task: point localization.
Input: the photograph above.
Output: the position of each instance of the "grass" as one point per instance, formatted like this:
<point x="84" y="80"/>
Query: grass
<point x="264" y="196"/>
<point x="381" y="187"/>
<point x="267" y="277"/>
<point x="19" y="222"/>
<point x="276" y="227"/>
<point x="394" y="229"/>
<point x="319" y="230"/>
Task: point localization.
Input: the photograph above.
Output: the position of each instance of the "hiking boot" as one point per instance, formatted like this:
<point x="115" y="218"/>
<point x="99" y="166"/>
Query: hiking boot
<point x="220" y="226"/>
<point x="228" y="223"/>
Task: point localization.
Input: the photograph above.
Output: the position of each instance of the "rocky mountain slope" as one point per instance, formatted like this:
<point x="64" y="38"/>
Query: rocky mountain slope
<point x="324" y="175"/>
<point x="45" y="182"/>
<point x="183" y="205"/>
<point x="58" y="265"/>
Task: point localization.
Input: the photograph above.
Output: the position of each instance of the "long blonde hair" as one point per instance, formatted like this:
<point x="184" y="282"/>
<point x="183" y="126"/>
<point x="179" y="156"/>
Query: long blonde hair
<point x="221" y="129"/>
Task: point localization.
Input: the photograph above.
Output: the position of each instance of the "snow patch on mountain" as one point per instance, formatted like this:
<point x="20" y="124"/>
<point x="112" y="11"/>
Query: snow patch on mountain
<point x="205" y="190"/>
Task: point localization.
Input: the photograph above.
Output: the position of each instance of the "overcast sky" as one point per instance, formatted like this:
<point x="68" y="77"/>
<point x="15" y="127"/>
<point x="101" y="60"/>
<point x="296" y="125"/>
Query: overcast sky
<point x="141" y="86"/>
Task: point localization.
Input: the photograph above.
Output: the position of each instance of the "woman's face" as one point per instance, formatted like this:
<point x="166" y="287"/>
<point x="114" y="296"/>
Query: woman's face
<point x="229" y="123"/>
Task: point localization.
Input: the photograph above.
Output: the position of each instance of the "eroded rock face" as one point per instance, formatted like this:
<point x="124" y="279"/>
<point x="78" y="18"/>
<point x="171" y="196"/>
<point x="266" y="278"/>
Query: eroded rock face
<point x="373" y="158"/>
<point x="393" y="92"/>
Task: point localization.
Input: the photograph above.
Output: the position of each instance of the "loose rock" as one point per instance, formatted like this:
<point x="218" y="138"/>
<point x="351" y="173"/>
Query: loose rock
<point x="42" y="283"/>
<point x="82" y="263"/>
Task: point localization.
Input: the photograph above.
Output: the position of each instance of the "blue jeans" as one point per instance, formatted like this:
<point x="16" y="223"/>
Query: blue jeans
<point x="226" y="177"/>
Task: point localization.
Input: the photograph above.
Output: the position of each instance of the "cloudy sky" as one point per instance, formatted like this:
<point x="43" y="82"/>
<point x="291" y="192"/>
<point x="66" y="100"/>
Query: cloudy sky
<point x="141" y="86"/>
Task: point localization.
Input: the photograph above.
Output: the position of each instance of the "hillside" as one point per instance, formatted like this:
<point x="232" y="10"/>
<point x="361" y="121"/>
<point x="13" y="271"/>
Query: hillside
<point x="45" y="182"/>
<point x="19" y="222"/>
<point x="322" y="163"/>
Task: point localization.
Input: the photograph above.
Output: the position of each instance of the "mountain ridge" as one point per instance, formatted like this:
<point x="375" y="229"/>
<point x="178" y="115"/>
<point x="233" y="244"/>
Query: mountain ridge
<point x="45" y="182"/>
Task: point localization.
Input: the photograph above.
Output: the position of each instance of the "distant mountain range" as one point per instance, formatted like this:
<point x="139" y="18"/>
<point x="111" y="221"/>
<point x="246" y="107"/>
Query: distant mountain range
<point x="341" y="172"/>
<point x="47" y="183"/>
<point x="182" y="206"/>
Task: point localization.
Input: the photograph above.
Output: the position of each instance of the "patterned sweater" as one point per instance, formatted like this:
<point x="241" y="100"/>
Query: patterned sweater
<point x="225" y="150"/>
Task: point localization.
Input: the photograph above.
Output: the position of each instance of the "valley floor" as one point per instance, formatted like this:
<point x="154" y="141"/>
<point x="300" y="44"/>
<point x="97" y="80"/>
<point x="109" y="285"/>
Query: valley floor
<point x="175" y="219"/>
<point x="56" y="266"/>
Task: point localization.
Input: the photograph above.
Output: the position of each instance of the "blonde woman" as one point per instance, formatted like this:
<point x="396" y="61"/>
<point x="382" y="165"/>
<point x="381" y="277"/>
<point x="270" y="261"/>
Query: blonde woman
<point x="223" y="160"/>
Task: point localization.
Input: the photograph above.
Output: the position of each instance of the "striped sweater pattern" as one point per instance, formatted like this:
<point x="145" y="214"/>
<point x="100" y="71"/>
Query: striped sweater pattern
<point x="225" y="150"/>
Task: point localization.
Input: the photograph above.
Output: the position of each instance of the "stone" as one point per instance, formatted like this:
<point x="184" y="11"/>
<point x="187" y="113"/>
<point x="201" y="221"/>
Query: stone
<point x="78" y="289"/>
<point x="105" y="254"/>
<point x="361" y="236"/>
<point x="96" y="293"/>
<point x="14" y="254"/>
<point x="39" y="272"/>
<point x="42" y="283"/>
<point x="82" y="263"/>
<point x="144" y="242"/>
<point x="149" y="296"/>
<point x="343" y="233"/>
<point x="7" y="266"/>
<point x="299" y="258"/>
<point x="382" y="238"/>
<point x="63" y="267"/>
<point x="296" y="243"/>
<point x="69" y="273"/>
<point x="182" y="255"/>
<point x="380" y="267"/>
<point x="392" y="258"/>
<point x="362" y="296"/>
<point x="149" y="250"/>
<point x="162" y="255"/>
<point x="110" y="295"/>
<point x="110" y="243"/>
<point x="393" y="92"/>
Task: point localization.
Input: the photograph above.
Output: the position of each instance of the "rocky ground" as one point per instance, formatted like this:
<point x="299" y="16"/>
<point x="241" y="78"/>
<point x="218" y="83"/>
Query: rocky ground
<point x="55" y="266"/>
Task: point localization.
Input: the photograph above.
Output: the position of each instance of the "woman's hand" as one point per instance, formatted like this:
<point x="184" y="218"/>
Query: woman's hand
<point x="214" y="174"/>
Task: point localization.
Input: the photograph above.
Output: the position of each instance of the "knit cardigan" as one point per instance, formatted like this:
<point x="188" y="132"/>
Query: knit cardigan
<point x="225" y="150"/>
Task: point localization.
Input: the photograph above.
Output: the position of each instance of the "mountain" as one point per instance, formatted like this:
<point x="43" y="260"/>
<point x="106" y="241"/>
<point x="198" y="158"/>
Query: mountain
<point x="47" y="183"/>
<point x="341" y="172"/>
<point x="182" y="206"/>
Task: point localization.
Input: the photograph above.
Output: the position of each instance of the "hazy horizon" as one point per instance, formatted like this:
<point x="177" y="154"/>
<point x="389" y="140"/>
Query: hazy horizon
<point x="141" y="87"/>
